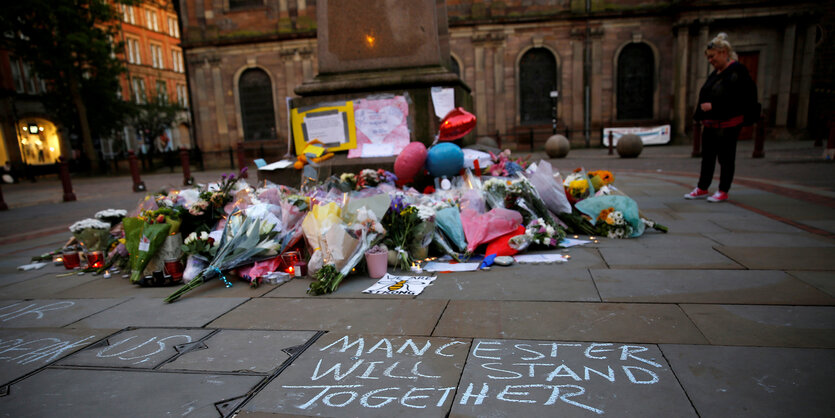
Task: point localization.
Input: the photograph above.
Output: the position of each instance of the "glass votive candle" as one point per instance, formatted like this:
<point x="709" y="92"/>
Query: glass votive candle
<point x="174" y="268"/>
<point x="300" y="268"/>
<point x="71" y="259"/>
<point x="95" y="259"/>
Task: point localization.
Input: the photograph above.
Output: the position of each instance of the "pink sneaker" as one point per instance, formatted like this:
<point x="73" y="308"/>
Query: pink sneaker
<point x="697" y="193"/>
<point x="719" y="196"/>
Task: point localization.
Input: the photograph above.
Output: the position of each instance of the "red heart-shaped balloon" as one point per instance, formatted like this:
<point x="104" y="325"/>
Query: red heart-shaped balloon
<point x="457" y="123"/>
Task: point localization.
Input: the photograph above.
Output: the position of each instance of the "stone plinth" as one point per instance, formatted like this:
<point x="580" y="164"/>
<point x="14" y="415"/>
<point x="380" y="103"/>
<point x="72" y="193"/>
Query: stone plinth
<point x="337" y="165"/>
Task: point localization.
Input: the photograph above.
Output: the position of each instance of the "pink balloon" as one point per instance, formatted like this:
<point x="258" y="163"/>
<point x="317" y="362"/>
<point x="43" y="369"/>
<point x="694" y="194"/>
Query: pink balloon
<point x="456" y="124"/>
<point x="410" y="161"/>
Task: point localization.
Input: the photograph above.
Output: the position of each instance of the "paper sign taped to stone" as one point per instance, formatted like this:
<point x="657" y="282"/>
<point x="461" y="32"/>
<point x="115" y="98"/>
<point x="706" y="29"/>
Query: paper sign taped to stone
<point x="400" y="285"/>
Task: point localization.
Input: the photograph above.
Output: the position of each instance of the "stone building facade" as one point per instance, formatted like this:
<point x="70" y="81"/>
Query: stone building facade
<point x="624" y="63"/>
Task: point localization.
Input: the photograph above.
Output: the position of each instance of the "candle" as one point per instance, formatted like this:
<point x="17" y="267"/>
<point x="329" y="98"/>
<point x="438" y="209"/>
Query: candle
<point x="71" y="259"/>
<point x="95" y="259"/>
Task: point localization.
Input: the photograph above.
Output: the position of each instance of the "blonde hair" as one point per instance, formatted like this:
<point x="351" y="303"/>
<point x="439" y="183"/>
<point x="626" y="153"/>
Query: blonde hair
<point x="721" y="42"/>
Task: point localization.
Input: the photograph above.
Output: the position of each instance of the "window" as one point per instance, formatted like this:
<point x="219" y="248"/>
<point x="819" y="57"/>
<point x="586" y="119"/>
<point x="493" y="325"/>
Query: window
<point x="636" y="72"/>
<point x="156" y="56"/>
<point x="177" y="61"/>
<point x="29" y="76"/>
<point x="139" y="95"/>
<point x="173" y="29"/>
<point x="257" y="114"/>
<point x="133" y="51"/>
<point x="537" y="79"/>
<point x="151" y="20"/>
<point x="128" y="15"/>
<point x="17" y="77"/>
<point x="162" y="91"/>
<point x="244" y="4"/>
<point x="182" y="95"/>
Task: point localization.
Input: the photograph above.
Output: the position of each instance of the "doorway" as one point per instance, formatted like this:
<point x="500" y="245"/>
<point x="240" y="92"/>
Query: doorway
<point x="38" y="141"/>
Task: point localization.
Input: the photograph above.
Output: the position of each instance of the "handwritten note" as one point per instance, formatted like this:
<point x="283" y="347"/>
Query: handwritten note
<point x="381" y="126"/>
<point x="400" y="285"/>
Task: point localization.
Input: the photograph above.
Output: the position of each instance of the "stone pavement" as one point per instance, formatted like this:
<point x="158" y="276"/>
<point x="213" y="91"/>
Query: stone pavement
<point x="730" y="314"/>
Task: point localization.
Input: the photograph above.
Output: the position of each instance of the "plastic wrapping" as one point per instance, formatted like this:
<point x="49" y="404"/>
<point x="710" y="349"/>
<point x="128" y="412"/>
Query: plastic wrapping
<point x="550" y="187"/>
<point x="483" y="228"/>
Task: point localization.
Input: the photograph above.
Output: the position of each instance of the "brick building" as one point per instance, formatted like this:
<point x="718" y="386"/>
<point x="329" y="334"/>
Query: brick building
<point x="29" y="135"/>
<point x="623" y="63"/>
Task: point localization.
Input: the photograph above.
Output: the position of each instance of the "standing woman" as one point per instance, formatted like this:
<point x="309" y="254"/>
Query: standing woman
<point x="726" y="103"/>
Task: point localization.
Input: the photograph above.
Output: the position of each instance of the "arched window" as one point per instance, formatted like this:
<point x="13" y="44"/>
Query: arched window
<point x="636" y="75"/>
<point x="537" y="78"/>
<point x="257" y="114"/>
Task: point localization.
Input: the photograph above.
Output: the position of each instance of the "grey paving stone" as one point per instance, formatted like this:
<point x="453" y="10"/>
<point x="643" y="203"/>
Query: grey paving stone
<point x="44" y="286"/>
<point x="769" y="239"/>
<point x="681" y="241"/>
<point x="516" y="378"/>
<point x="823" y="280"/>
<point x="23" y="351"/>
<point x="669" y="257"/>
<point x="782" y="258"/>
<point x="553" y="282"/>
<point x="826" y="225"/>
<point x="691" y="226"/>
<point x="368" y="376"/>
<point x="110" y="393"/>
<point x="706" y="286"/>
<point x="241" y="351"/>
<point x="687" y="208"/>
<point x="384" y="316"/>
<point x="144" y="348"/>
<point x="762" y="224"/>
<point x="647" y="323"/>
<point x="777" y="326"/>
<point x="755" y="381"/>
<point x="51" y="312"/>
<point x="145" y="312"/>
<point x="119" y="286"/>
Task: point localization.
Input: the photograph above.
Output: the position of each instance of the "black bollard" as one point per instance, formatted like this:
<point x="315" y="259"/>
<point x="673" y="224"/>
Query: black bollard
<point x="138" y="184"/>
<point x="64" y="172"/>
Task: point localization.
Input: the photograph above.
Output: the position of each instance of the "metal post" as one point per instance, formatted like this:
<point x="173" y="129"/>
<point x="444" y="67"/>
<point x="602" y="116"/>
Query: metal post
<point x="188" y="180"/>
<point x="759" y="139"/>
<point x="64" y="172"/>
<point x="242" y="159"/>
<point x="138" y="184"/>
<point x="611" y="142"/>
<point x="697" y="140"/>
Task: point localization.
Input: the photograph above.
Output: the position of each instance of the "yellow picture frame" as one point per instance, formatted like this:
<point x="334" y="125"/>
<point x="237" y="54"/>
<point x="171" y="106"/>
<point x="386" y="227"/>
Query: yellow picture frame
<point x="332" y="125"/>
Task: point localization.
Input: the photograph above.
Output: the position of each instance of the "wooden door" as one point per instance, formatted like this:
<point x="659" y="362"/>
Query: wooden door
<point x="751" y="61"/>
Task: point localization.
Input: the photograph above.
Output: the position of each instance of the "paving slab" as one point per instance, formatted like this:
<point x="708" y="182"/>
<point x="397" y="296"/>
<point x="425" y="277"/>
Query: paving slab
<point x="44" y="286"/>
<point x="368" y="376"/>
<point x="691" y="226"/>
<point x="782" y="258"/>
<point x="524" y="378"/>
<point x="543" y="282"/>
<point x="761" y="287"/>
<point x="144" y="312"/>
<point x="824" y="224"/>
<point x="755" y="381"/>
<point x="775" y="326"/>
<point x="23" y="351"/>
<point x="52" y="312"/>
<point x="239" y="351"/>
<point x="761" y="224"/>
<point x="119" y="286"/>
<point x="111" y="393"/>
<point x="144" y="348"/>
<point x="384" y="316"/>
<point x="769" y="239"/>
<point x="823" y="280"/>
<point x="647" y="323"/>
<point x="668" y="257"/>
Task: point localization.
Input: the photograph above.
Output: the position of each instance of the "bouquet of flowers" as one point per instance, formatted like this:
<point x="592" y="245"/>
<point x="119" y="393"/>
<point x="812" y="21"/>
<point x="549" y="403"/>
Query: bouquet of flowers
<point x="524" y="198"/>
<point x="143" y="240"/>
<point x="537" y="232"/>
<point x="611" y="223"/>
<point x="111" y="216"/>
<point x="495" y="191"/>
<point x="578" y="186"/>
<point x="372" y="178"/>
<point x="245" y="239"/>
<point x="199" y="244"/>
<point x="502" y="165"/>
<point x="402" y="222"/>
<point x="600" y="178"/>
<point x="93" y="234"/>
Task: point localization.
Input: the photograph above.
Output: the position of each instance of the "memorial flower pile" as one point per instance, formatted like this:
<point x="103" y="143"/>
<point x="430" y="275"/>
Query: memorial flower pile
<point x="92" y="234"/>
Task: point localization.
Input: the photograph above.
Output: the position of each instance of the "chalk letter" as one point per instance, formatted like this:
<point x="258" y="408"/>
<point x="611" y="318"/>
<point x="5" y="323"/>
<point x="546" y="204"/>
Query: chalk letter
<point x="334" y="369"/>
<point x="478" y="347"/>
<point x="388" y="371"/>
<point x="416" y="373"/>
<point x="449" y="344"/>
<point x="626" y="351"/>
<point x="564" y="397"/>
<point x="538" y="354"/>
<point x="409" y="395"/>
<point x="324" y="388"/>
<point x="380" y="343"/>
<point x="367" y="374"/>
<point x="628" y="371"/>
<point x="443" y="398"/>
<point x="568" y="373"/>
<point x="610" y="377"/>
<point x="593" y="349"/>
<point x="506" y="391"/>
<point x="514" y="375"/>
<point x="469" y="394"/>
<point x="555" y="345"/>
<point x="327" y="399"/>
<point x="346" y="344"/>
<point x="532" y="366"/>
<point x="410" y="343"/>
<point x="367" y="396"/>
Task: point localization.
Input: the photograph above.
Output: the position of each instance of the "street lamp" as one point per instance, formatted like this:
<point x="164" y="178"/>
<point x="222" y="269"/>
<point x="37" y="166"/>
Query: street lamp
<point x="555" y="94"/>
<point x="33" y="128"/>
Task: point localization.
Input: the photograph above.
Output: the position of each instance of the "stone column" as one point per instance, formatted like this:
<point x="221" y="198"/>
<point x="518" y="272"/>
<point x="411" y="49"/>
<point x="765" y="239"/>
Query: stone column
<point x="596" y="84"/>
<point x="577" y="93"/>
<point x="680" y="79"/>
<point x="499" y="90"/>
<point x="805" y="90"/>
<point x="701" y="65"/>
<point x="290" y="83"/>
<point x="784" y="86"/>
<point x="220" y="102"/>
<point x="203" y="113"/>
<point x="480" y="91"/>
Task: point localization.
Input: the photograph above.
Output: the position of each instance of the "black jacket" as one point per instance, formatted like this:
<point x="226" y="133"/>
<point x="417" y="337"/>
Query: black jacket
<point x="731" y="93"/>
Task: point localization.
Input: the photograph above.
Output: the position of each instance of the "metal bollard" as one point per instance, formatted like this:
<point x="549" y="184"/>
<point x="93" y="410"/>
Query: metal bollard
<point x="138" y="184"/>
<point x="188" y="180"/>
<point x="242" y="160"/>
<point x="697" y="140"/>
<point x="611" y="142"/>
<point x="64" y="172"/>
<point x="759" y="139"/>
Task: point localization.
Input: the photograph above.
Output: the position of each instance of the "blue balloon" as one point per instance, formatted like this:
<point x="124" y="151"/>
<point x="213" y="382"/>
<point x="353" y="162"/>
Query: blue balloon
<point x="445" y="159"/>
